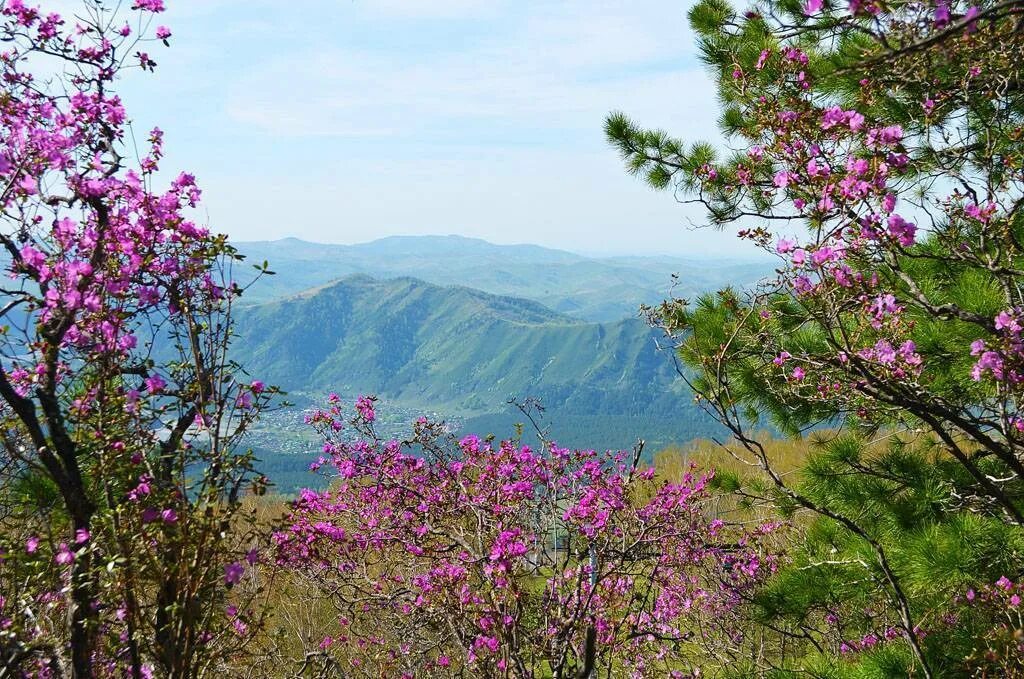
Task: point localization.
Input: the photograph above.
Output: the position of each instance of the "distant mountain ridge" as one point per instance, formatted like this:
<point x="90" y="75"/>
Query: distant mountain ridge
<point x="587" y="288"/>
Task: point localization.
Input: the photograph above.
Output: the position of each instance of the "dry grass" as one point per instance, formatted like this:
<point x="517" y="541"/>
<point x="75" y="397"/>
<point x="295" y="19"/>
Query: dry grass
<point x="785" y="456"/>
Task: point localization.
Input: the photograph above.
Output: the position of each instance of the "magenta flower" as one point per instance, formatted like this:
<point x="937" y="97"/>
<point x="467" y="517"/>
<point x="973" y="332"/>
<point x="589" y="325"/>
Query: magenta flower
<point x="972" y="13"/>
<point x="390" y="506"/>
<point x="364" y="406"/>
<point x="64" y="556"/>
<point x="233" y="573"/>
<point x="155" y="384"/>
<point x="885" y="136"/>
<point x="149" y="5"/>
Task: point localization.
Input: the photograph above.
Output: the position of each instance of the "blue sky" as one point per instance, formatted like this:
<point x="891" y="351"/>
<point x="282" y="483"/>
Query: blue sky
<point x="350" y="120"/>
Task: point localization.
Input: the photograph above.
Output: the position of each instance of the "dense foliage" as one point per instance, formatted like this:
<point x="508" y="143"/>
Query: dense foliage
<point x="877" y="153"/>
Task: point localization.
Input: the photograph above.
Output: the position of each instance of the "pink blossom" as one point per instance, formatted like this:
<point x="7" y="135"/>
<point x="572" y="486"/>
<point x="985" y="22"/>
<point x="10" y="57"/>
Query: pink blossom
<point x="972" y="13"/>
<point x="233" y="573"/>
<point x="64" y="555"/>
<point x="902" y="230"/>
<point x="884" y="136"/>
<point x="155" y="384"/>
<point x="392" y="505"/>
<point x="149" y="5"/>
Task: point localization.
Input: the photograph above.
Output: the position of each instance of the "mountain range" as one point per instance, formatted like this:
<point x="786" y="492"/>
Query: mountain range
<point x="587" y="288"/>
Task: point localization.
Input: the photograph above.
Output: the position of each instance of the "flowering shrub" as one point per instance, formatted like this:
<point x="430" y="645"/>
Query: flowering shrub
<point x="1002" y="650"/>
<point x="495" y="559"/>
<point x="119" y="410"/>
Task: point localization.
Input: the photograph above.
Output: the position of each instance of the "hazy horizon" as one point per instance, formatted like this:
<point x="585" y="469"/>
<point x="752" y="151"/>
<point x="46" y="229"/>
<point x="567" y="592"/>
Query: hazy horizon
<point x="745" y="256"/>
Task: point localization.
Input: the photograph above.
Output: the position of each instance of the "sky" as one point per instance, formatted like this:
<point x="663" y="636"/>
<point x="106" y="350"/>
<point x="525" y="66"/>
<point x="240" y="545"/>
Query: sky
<point x="349" y="120"/>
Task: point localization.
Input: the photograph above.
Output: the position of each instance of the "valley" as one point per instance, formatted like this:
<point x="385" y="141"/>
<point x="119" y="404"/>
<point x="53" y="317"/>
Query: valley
<point x="462" y="353"/>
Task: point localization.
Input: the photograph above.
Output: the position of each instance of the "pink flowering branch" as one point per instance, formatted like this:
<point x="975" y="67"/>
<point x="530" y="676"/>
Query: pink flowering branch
<point x="114" y="374"/>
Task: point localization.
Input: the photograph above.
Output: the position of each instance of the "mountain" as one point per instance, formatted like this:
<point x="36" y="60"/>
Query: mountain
<point x="586" y="288"/>
<point x="458" y="354"/>
<point x="454" y="349"/>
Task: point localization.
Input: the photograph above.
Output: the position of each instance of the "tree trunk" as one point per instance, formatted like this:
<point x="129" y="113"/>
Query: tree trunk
<point x="81" y="614"/>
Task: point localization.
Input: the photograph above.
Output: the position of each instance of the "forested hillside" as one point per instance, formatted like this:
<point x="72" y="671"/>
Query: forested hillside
<point x="456" y="348"/>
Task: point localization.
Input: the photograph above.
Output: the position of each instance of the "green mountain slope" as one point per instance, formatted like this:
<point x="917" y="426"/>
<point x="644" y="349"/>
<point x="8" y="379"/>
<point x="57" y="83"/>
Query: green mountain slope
<point x="595" y="289"/>
<point x="455" y="350"/>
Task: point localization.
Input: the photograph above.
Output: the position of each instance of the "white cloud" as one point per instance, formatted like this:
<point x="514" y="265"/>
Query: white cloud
<point x="562" y="68"/>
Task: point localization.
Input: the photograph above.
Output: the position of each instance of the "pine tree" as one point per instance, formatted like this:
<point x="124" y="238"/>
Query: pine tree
<point x="877" y="153"/>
